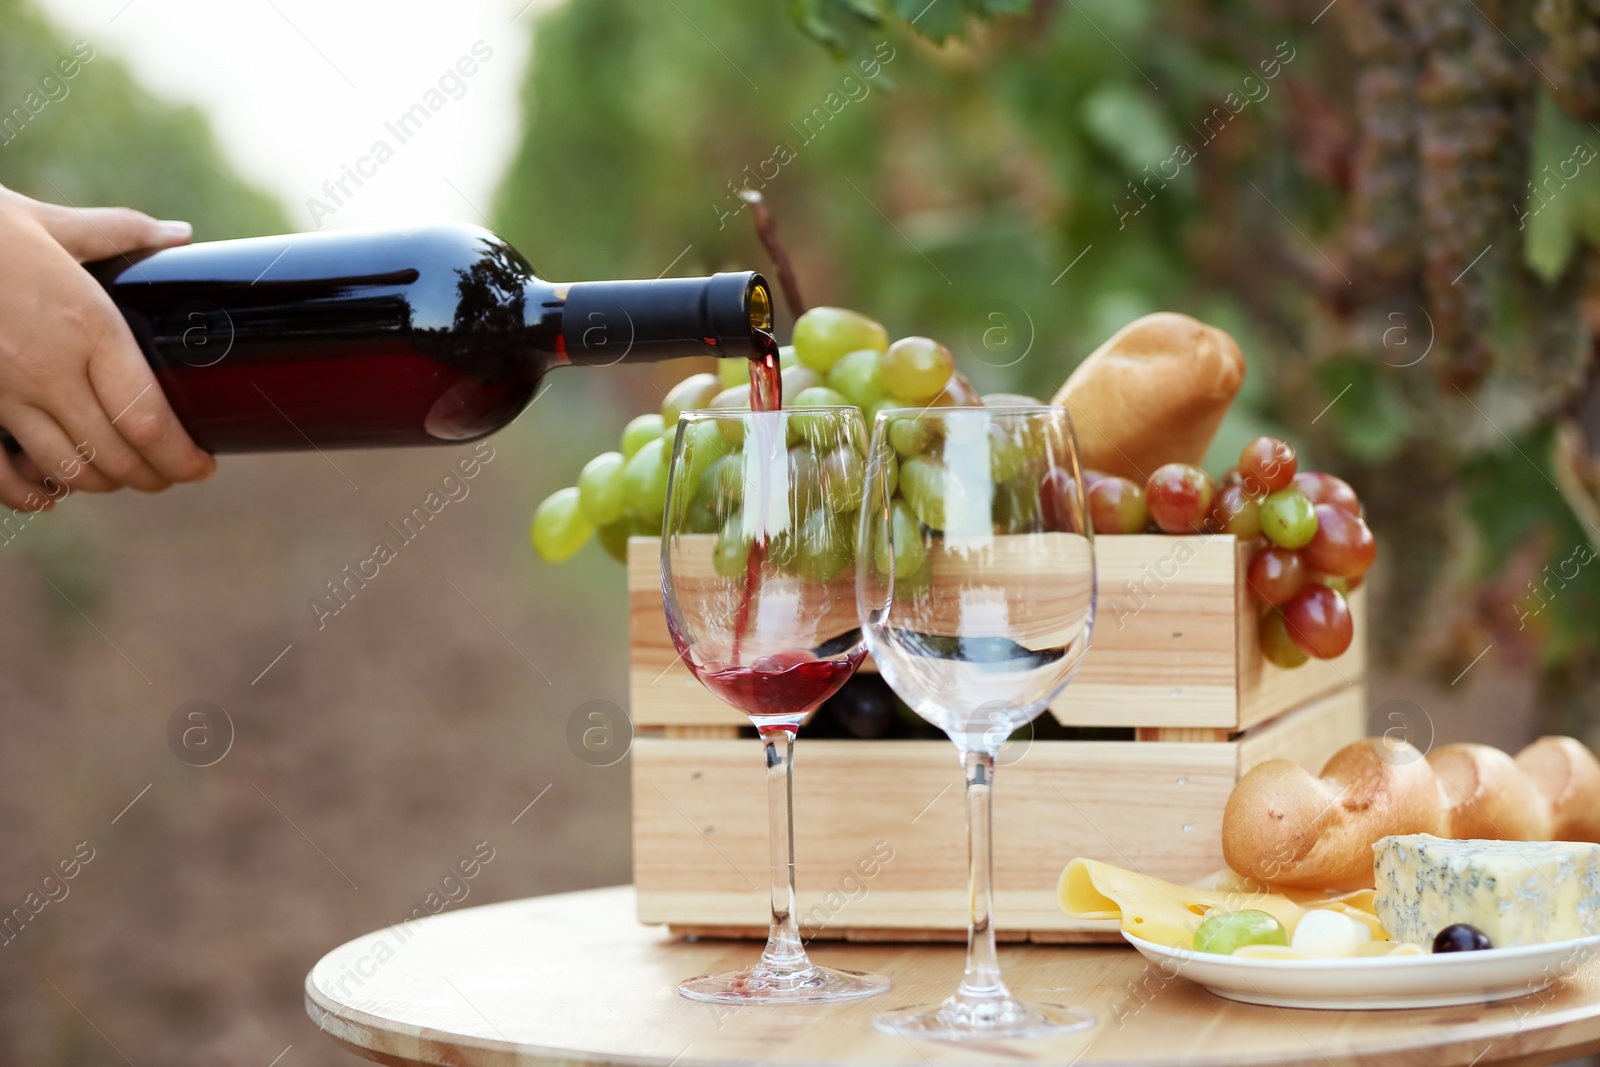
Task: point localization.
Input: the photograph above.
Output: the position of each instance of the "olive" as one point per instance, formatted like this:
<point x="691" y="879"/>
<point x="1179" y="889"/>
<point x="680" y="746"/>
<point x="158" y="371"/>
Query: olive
<point x="1461" y="938"/>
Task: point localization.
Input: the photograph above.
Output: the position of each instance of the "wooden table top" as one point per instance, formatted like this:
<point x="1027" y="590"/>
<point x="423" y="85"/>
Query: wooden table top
<point x="574" y="979"/>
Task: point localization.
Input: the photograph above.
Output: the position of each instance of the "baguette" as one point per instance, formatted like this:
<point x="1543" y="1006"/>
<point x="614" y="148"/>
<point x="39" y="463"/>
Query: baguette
<point x="1154" y="393"/>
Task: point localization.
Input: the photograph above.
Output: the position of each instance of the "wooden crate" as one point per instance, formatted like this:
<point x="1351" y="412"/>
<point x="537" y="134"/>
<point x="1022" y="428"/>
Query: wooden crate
<point x="700" y="824"/>
<point x="880" y="836"/>
<point x="1175" y="647"/>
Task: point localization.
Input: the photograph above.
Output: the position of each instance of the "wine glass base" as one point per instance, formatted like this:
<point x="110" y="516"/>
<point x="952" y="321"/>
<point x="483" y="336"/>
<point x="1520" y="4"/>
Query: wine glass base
<point x="957" y="1020"/>
<point x="763" y="985"/>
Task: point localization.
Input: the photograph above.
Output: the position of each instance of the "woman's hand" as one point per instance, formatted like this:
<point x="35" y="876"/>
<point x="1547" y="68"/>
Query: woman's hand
<point x="75" y="391"/>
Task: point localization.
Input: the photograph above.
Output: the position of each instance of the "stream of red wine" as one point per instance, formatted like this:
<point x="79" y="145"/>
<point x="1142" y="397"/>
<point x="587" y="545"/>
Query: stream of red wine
<point x="766" y="394"/>
<point x="766" y="378"/>
<point x="788" y="682"/>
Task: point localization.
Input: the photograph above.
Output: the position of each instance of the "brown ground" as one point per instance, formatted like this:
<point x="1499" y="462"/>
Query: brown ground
<point x="395" y="739"/>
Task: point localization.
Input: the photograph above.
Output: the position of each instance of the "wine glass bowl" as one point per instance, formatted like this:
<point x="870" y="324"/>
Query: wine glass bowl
<point x="757" y="554"/>
<point x="997" y="627"/>
<point x="975" y="587"/>
<point x="757" y="576"/>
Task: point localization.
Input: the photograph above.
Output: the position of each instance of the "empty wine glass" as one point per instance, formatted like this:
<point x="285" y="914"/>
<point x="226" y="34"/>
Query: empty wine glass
<point x="757" y="556"/>
<point x="976" y="591"/>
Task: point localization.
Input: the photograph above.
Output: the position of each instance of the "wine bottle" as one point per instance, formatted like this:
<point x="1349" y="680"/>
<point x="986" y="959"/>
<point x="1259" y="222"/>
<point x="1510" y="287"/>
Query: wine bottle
<point x="429" y="335"/>
<point x="863" y="708"/>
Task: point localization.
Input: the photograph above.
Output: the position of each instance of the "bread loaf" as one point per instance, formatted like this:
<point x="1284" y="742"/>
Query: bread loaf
<point x="1154" y="393"/>
<point x="1487" y="797"/>
<point x="1289" y="829"/>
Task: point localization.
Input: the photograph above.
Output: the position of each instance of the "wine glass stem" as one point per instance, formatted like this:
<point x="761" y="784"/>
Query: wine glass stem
<point x="982" y="978"/>
<point x="785" y="952"/>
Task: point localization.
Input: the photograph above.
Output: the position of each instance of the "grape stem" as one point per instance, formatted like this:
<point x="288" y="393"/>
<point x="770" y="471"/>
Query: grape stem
<point x="767" y="230"/>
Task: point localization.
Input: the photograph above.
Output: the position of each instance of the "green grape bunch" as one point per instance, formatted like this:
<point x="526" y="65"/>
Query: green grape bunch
<point x="838" y="357"/>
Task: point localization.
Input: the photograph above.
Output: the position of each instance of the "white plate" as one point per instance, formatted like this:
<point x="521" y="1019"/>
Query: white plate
<point x="1427" y="981"/>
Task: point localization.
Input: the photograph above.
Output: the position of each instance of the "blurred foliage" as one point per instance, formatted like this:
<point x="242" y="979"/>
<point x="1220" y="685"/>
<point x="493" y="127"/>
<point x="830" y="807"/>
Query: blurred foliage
<point x="922" y="195"/>
<point x="1317" y="184"/>
<point x="98" y="138"/>
<point x="1566" y="161"/>
<point x="72" y="560"/>
<point x="839" y="25"/>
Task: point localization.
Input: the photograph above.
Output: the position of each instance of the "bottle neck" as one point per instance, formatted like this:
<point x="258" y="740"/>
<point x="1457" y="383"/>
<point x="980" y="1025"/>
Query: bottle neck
<point x="604" y="323"/>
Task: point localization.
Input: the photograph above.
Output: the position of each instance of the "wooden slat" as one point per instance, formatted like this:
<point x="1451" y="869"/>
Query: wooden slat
<point x="1163" y="647"/>
<point x="1025" y="575"/>
<point x="1182" y="733"/>
<point x="700" y="824"/>
<point x="1175" y="645"/>
<point x="811" y="614"/>
<point x="1076" y="937"/>
<point x="1036" y="588"/>
<point x="700" y="828"/>
<point x="662" y="691"/>
<point x="1308" y="735"/>
<point x="700" y="733"/>
<point x="870" y="935"/>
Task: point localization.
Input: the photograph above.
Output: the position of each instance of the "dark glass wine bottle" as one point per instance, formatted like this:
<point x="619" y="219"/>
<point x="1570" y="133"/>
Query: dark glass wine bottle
<point x="435" y="334"/>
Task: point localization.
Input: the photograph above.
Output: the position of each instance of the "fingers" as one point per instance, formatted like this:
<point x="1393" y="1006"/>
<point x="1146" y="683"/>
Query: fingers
<point x="101" y="445"/>
<point x="53" y="452"/>
<point x="22" y="491"/>
<point x="27" y="468"/>
<point x="136" y="408"/>
<point x="78" y="393"/>
<point x="102" y="232"/>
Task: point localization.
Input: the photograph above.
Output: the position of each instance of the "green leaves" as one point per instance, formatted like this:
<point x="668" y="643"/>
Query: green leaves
<point x="1509" y="498"/>
<point x="1514" y="508"/>
<point x="1128" y="122"/>
<point x="838" y="24"/>
<point x="1562" y="199"/>
<point x="938" y="20"/>
<point x="1365" y="408"/>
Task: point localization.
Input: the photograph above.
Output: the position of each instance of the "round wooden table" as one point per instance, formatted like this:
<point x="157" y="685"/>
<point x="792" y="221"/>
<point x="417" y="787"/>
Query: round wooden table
<point x="574" y="979"/>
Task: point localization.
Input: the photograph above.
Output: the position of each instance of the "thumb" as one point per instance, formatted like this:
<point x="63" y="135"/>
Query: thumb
<point x="102" y="232"/>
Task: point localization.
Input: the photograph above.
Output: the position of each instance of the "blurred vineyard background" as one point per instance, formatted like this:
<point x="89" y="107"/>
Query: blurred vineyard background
<point x="1392" y="204"/>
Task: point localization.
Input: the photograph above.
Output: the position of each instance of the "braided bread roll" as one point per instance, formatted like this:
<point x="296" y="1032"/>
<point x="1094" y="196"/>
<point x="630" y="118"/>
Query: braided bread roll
<point x="1286" y="828"/>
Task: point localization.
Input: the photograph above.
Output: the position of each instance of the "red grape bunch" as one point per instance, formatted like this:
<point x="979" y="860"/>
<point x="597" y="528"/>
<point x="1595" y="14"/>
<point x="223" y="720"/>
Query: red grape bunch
<point x="1316" y="546"/>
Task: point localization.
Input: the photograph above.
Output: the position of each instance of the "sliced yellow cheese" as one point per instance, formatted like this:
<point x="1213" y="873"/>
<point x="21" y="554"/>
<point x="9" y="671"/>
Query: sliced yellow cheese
<point x="1168" y="914"/>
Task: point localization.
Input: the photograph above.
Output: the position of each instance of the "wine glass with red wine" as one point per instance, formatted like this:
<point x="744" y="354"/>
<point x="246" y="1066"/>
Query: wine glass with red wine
<point x="757" y="571"/>
<point x="976" y="591"/>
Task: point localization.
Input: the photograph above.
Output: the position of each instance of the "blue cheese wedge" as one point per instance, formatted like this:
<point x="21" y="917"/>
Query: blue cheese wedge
<point x="1516" y="892"/>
